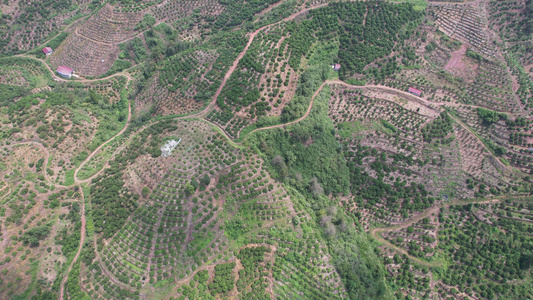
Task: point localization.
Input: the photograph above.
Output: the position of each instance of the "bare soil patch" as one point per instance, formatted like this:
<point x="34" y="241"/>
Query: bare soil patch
<point x="460" y="66"/>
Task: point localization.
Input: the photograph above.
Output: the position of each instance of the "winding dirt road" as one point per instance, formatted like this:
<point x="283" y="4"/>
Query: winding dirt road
<point x="77" y="181"/>
<point x="307" y="112"/>
<point x="223" y="132"/>
<point x="103" y="144"/>
<point x="410" y="96"/>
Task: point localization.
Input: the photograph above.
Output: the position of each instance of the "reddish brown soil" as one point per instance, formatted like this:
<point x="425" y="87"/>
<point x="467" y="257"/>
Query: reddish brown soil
<point x="529" y="69"/>
<point x="455" y="60"/>
<point x="459" y="65"/>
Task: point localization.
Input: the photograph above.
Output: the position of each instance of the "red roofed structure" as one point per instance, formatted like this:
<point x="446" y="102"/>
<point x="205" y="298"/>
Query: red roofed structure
<point x="336" y="67"/>
<point x="414" y="91"/>
<point x="47" y="50"/>
<point x="65" y="72"/>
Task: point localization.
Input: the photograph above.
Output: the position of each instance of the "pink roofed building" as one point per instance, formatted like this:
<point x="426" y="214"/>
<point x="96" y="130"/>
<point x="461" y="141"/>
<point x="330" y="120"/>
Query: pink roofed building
<point x="336" y="67"/>
<point x="414" y="91"/>
<point x="65" y="72"/>
<point x="47" y="50"/>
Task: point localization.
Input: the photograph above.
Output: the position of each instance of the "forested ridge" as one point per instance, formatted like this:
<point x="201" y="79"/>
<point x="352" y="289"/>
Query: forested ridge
<point x="367" y="31"/>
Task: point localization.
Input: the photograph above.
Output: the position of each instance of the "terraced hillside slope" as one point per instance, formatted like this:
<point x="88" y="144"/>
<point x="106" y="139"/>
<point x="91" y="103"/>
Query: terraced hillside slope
<point x="266" y="150"/>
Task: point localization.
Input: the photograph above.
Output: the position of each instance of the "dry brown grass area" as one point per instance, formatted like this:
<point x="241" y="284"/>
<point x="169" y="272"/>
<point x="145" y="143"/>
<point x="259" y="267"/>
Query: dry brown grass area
<point x="529" y="69"/>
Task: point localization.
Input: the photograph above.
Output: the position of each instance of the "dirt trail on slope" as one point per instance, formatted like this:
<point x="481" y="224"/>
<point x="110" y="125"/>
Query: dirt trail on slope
<point x="376" y="232"/>
<point x="82" y="241"/>
<point x="229" y="72"/>
<point x="297" y="120"/>
<point x="410" y="96"/>
<point x="46" y="157"/>
<point x="243" y="52"/>
<point x="467" y="128"/>
<point x="58" y="78"/>
<point x="393" y="90"/>
<point x="103" y="144"/>
<point x="211" y="267"/>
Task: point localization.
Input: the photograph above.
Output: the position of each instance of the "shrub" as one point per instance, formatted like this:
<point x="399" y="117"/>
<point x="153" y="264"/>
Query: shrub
<point x="489" y="116"/>
<point x="145" y="191"/>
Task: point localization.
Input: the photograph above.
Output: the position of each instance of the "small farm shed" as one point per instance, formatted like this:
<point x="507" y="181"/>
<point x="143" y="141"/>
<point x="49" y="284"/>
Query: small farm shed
<point x="47" y="50"/>
<point x="167" y="148"/>
<point x="414" y="91"/>
<point x="65" y="72"/>
<point x="336" y="67"/>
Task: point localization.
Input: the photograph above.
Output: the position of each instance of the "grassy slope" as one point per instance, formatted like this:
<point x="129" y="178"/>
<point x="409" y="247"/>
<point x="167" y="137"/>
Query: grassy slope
<point x="418" y="5"/>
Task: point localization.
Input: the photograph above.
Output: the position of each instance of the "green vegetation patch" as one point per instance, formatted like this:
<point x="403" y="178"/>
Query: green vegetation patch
<point x="118" y="66"/>
<point x="503" y="249"/>
<point x="363" y="36"/>
<point x="307" y="148"/>
<point x="10" y="92"/>
<point x="418" y="5"/>
<point x="224" y="280"/>
<point x="475" y="56"/>
<point x="488" y="116"/>
<point x="252" y="279"/>
<point x="33" y="235"/>
<point x="438" y="129"/>
<point x="111" y="207"/>
<point x="349" y="129"/>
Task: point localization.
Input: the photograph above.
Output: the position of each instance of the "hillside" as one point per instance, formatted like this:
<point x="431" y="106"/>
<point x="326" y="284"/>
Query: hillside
<point x="298" y="149"/>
